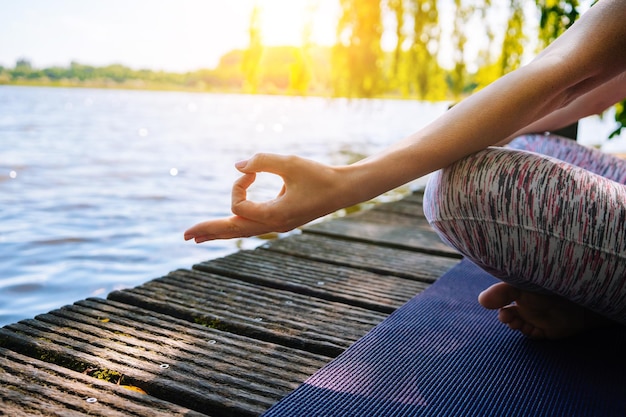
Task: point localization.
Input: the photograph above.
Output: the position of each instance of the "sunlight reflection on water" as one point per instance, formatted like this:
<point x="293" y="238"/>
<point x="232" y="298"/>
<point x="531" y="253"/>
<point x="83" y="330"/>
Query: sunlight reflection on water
<point x="97" y="186"/>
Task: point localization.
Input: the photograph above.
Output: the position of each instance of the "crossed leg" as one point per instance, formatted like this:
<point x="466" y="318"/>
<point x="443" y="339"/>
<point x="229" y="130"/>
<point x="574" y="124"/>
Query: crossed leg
<point x="551" y="231"/>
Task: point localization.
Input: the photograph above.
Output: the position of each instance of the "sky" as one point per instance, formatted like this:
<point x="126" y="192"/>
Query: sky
<point x="177" y="36"/>
<point x="184" y="35"/>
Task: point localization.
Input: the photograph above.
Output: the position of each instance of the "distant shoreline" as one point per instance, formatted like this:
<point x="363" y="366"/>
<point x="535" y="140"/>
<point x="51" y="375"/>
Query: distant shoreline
<point x="114" y="85"/>
<point x="134" y="85"/>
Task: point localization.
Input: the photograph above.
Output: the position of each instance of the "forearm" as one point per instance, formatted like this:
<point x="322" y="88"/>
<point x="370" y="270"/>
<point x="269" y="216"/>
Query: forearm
<point x="594" y="102"/>
<point x="501" y="109"/>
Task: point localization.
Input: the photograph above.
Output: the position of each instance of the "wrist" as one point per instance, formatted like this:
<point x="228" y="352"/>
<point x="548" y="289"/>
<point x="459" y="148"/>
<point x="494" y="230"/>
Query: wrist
<point x="363" y="181"/>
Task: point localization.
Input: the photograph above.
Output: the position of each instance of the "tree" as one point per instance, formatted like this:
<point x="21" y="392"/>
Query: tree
<point x="23" y="64"/>
<point x="511" y="50"/>
<point x="276" y="69"/>
<point x="426" y="75"/>
<point x="254" y="53"/>
<point x="357" y="55"/>
<point x="84" y="72"/>
<point x="458" y="75"/>
<point x="397" y="8"/>
<point x="555" y="17"/>
<point x="513" y="43"/>
<point x="300" y="70"/>
<point x="23" y="69"/>
<point x="229" y="71"/>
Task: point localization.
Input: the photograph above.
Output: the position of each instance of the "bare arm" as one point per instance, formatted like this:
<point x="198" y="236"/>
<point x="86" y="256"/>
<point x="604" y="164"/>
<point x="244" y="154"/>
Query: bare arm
<point x="590" y="54"/>
<point x="594" y="102"/>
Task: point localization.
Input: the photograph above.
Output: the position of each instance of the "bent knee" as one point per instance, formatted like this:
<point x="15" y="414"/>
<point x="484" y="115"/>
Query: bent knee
<point x="473" y="203"/>
<point x="468" y="187"/>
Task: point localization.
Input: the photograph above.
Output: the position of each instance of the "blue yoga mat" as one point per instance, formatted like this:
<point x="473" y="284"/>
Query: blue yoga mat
<point x="442" y="354"/>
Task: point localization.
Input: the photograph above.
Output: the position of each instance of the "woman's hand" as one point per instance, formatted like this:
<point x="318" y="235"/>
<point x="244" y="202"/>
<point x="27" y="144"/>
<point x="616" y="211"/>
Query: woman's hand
<point x="310" y="190"/>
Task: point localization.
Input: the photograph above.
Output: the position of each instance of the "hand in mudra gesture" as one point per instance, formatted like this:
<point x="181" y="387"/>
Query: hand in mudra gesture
<point x="310" y="190"/>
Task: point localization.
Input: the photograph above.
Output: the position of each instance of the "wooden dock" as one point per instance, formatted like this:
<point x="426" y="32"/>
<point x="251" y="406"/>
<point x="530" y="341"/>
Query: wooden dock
<point x="229" y="337"/>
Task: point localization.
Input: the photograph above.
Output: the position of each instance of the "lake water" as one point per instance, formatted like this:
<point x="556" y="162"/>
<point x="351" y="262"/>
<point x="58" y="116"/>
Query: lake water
<point x="97" y="186"/>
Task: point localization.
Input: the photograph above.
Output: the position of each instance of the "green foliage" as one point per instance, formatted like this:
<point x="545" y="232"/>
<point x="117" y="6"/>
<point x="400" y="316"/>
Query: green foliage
<point x="620" y="118"/>
<point x="458" y="76"/>
<point x="299" y="72"/>
<point x="397" y="8"/>
<point x="357" y="56"/>
<point x="428" y="78"/>
<point x="555" y="17"/>
<point x="108" y="375"/>
<point x="513" y="44"/>
<point x="254" y="53"/>
<point x="282" y="68"/>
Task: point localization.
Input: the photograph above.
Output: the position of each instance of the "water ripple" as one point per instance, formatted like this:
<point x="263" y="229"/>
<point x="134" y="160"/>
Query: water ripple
<point x="102" y="192"/>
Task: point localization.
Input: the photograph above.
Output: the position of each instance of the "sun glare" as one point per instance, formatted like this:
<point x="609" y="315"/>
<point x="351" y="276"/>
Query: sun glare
<point x="284" y="22"/>
<point x="171" y="36"/>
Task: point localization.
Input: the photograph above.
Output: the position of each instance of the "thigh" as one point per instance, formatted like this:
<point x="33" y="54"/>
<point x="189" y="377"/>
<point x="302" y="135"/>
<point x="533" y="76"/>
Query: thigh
<point x="536" y="222"/>
<point x="570" y="151"/>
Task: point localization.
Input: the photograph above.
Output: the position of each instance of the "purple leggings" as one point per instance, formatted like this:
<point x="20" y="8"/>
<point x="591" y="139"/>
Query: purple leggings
<point x="544" y="214"/>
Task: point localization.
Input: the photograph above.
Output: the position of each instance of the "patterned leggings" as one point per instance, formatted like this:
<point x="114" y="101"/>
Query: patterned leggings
<point x="544" y="214"/>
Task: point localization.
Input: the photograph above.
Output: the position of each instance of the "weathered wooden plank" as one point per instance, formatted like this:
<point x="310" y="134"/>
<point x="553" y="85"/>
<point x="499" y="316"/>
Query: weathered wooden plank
<point x="30" y="387"/>
<point x="416" y="197"/>
<point x="197" y="367"/>
<point x="230" y="338"/>
<point x="351" y="286"/>
<point x="406" y="208"/>
<point x="388" y="217"/>
<point x="407" y="264"/>
<point x="273" y="315"/>
<point x="395" y="231"/>
<point x="190" y="390"/>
